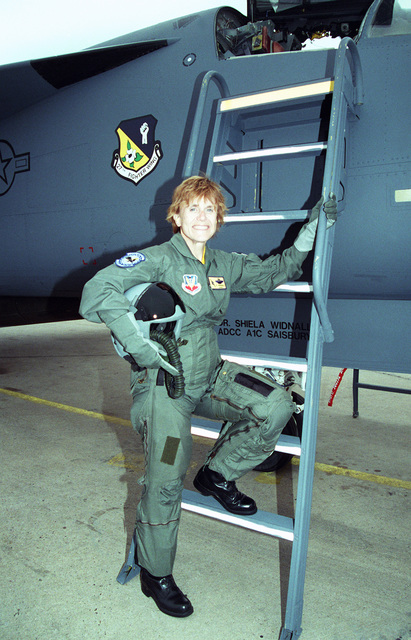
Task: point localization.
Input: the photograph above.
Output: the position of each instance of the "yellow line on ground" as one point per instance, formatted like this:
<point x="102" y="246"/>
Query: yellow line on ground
<point x="272" y="477"/>
<point x="66" y="407"/>
<point x="264" y="478"/>
<point x="359" y="475"/>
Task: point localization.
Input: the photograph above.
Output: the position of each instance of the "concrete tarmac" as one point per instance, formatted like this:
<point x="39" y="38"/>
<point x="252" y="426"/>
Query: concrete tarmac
<point x="70" y="465"/>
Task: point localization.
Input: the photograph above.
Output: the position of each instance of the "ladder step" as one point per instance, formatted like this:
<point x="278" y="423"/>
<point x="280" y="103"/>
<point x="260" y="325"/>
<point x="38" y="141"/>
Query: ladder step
<point x="259" y="360"/>
<point x="295" y="287"/>
<point x="295" y="92"/>
<point x="211" y="429"/>
<point x="268" y="216"/>
<point x="271" y="524"/>
<point x="259" y="154"/>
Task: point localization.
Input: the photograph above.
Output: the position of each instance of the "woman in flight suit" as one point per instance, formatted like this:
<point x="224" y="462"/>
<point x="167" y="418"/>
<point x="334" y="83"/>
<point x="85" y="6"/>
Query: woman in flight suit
<point x="254" y="409"/>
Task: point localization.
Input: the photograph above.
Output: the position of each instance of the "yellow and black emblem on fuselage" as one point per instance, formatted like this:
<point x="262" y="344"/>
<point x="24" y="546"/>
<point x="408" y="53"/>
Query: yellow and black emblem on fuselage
<point x="139" y="152"/>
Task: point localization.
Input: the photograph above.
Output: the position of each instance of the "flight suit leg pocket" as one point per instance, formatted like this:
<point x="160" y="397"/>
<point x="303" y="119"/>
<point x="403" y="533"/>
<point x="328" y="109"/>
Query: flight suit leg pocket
<point x="249" y="392"/>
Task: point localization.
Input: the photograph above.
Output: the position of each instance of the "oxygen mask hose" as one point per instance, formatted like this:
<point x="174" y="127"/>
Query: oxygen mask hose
<point x="174" y="384"/>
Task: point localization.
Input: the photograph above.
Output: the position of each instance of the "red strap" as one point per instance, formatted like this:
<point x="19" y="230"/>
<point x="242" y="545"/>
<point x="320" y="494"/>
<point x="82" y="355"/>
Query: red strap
<point x="335" y="387"/>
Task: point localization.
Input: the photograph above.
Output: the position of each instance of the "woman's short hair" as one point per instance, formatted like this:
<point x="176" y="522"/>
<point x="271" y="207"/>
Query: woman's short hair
<point x="193" y="188"/>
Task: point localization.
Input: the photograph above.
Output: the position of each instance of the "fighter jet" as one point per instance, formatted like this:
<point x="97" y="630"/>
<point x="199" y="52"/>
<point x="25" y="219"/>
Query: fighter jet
<point x="93" y="143"/>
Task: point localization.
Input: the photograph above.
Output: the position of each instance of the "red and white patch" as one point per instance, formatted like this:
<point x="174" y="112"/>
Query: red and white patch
<point x="191" y="284"/>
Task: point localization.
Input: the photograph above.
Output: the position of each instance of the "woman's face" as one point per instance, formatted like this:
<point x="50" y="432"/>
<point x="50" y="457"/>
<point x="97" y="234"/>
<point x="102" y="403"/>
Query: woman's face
<point x="197" y="221"/>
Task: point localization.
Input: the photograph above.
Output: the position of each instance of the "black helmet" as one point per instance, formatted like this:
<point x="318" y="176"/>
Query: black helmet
<point x="154" y="305"/>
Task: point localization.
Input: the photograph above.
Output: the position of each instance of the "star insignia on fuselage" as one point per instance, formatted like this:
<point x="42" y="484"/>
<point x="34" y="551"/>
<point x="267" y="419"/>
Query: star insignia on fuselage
<point x="3" y="166"/>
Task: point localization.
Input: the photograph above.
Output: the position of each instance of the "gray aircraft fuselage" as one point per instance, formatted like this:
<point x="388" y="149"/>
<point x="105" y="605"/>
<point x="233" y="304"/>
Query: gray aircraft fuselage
<point x="69" y="205"/>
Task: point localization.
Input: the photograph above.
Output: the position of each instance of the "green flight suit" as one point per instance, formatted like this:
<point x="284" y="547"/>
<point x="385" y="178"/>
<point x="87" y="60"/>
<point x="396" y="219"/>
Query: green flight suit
<point x="254" y="410"/>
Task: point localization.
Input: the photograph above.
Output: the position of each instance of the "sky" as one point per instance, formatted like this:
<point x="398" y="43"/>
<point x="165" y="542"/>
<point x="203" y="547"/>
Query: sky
<point x="40" y="28"/>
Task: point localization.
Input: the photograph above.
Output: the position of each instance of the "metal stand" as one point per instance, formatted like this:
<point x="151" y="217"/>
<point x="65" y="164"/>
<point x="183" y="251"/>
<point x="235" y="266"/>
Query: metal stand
<point x="360" y="385"/>
<point x="130" y="568"/>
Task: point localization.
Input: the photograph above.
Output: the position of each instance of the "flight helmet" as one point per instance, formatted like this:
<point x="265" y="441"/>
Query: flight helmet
<point x="155" y="308"/>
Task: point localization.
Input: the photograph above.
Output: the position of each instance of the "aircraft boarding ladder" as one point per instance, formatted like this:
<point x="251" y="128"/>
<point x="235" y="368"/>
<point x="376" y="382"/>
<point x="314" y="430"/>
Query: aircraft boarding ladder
<point x="225" y="151"/>
<point x="244" y="182"/>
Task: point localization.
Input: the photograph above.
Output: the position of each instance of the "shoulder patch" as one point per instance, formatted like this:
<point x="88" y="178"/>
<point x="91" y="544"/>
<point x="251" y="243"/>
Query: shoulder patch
<point x="130" y="260"/>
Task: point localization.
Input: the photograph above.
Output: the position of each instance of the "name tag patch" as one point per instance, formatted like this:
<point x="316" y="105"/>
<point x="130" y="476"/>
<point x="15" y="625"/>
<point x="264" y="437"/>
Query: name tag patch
<point x="217" y="282"/>
<point x="130" y="260"/>
<point x="191" y="284"/>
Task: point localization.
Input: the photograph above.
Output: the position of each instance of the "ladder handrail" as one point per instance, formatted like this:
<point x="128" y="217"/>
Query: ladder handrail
<point x="319" y="319"/>
<point x="195" y="130"/>
<point x="332" y="176"/>
<point x="349" y="44"/>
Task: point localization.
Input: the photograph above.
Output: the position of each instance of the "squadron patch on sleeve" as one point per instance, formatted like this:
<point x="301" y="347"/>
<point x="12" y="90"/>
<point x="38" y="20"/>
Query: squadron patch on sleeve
<point x="130" y="260"/>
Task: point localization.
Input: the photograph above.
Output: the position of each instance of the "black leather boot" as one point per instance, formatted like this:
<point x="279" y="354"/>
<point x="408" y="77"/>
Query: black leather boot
<point x="211" y="483"/>
<point x="165" y="593"/>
